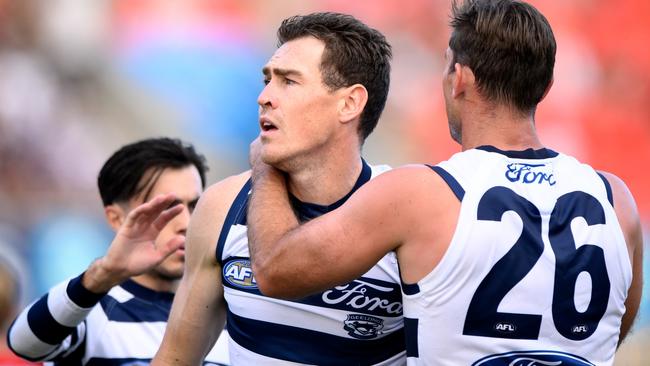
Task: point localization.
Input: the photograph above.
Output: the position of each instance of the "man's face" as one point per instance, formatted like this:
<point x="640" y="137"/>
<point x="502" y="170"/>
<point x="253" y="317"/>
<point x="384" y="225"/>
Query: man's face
<point x="453" y="119"/>
<point x="298" y="113"/>
<point x="185" y="183"/>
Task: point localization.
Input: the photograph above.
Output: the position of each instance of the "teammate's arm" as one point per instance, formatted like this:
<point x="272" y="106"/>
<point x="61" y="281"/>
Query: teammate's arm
<point x="198" y="313"/>
<point x="292" y="260"/>
<point x="628" y="217"/>
<point x="52" y="328"/>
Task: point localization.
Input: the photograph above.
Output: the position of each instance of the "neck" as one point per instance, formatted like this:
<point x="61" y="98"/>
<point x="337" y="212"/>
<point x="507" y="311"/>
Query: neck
<point x="499" y="126"/>
<point x="327" y="176"/>
<point x="155" y="282"/>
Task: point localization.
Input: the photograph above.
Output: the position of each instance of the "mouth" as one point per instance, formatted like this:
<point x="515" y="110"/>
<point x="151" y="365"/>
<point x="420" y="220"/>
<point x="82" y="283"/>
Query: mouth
<point x="181" y="248"/>
<point x="267" y="125"/>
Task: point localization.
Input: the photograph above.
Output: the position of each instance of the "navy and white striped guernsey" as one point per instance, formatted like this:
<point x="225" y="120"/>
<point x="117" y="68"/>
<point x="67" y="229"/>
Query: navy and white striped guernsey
<point x="536" y="273"/>
<point x="359" y="323"/>
<point x="73" y="326"/>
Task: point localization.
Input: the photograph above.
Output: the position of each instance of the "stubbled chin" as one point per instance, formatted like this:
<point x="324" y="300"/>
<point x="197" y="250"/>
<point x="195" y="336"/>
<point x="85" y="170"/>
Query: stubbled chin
<point x="170" y="274"/>
<point x="269" y="158"/>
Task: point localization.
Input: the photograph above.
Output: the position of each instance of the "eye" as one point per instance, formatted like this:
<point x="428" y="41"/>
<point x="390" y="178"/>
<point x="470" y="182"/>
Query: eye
<point x="192" y="205"/>
<point x="266" y="81"/>
<point x="289" y="81"/>
<point x="174" y="203"/>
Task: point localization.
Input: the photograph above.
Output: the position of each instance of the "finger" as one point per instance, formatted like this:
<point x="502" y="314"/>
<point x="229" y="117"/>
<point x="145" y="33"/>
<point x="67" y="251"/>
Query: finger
<point x="166" y="216"/>
<point x="162" y="203"/>
<point x="149" y="210"/>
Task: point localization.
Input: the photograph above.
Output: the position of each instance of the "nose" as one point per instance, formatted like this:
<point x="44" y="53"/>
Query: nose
<point x="265" y="99"/>
<point x="182" y="221"/>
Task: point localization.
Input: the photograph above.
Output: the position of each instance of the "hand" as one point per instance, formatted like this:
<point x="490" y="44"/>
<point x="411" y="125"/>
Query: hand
<point x="134" y="250"/>
<point x="255" y="153"/>
<point x="259" y="168"/>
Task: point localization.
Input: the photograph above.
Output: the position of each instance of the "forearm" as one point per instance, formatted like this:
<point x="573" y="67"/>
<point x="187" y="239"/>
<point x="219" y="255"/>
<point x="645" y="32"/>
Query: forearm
<point x="195" y="322"/>
<point x="41" y="328"/>
<point x="100" y="277"/>
<point x="187" y="344"/>
<point x="270" y="217"/>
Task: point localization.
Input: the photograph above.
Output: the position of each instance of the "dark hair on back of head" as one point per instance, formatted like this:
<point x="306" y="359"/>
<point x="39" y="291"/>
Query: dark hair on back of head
<point x="122" y="176"/>
<point x="510" y="47"/>
<point x="354" y="54"/>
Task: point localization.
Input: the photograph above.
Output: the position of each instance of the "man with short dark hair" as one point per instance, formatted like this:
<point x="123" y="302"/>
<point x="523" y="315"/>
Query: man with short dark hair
<point x="326" y="86"/>
<point x="510" y="253"/>
<point x="116" y="311"/>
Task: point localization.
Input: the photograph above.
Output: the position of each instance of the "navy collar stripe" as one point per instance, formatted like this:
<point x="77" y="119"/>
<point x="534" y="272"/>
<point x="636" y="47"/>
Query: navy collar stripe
<point x="307" y="211"/>
<point x="543" y="153"/>
<point x="145" y="293"/>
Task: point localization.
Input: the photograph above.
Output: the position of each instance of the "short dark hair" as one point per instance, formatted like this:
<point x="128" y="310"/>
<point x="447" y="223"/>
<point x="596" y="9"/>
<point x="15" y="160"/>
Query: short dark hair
<point x="354" y="54"/>
<point x="510" y="47"/>
<point x="121" y="177"/>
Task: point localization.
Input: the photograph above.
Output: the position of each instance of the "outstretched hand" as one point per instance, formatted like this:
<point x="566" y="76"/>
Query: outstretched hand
<point x="134" y="250"/>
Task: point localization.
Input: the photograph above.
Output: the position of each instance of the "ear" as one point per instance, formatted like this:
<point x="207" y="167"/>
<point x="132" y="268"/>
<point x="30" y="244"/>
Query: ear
<point x="352" y="102"/>
<point x="115" y="215"/>
<point x="463" y="80"/>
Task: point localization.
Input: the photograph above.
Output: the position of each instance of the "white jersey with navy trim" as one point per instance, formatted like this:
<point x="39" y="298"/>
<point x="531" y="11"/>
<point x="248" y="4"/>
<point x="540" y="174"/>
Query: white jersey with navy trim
<point x="359" y="323"/>
<point x="537" y="271"/>
<point x="73" y="326"/>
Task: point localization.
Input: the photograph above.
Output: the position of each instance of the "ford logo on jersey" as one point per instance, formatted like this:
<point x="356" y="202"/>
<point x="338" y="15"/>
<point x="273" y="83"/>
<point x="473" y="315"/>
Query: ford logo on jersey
<point x="530" y="173"/>
<point x="365" y="296"/>
<point x="238" y="273"/>
<point x="533" y="358"/>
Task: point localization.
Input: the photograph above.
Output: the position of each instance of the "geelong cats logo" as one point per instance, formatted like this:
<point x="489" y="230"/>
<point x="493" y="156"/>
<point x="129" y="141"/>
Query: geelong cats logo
<point x="363" y="326"/>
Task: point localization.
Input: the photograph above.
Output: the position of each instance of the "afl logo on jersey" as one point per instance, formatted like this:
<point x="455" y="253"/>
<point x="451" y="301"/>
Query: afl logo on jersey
<point x="579" y="329"/>
<point x="533" y="358"/>
<point x="505" y="327"/>
<point x="238" y="273"/>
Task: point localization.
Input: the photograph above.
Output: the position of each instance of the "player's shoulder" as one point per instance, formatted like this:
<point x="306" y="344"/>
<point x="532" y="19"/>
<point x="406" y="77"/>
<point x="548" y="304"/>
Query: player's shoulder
<point x="620" y="192"/>
<point x="410" y="179"/>
<point x="214" y="204"/>
<point x="614" y="181"/>
<point x="224" y="192"/>
<point x="624" y="204"/>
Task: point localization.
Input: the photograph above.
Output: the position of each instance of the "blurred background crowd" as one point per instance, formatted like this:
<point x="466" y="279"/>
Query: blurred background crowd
<point x="79" y="78"/>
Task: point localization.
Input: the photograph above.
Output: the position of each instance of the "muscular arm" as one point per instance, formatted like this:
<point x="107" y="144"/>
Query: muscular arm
<point x="52" y="328"/>
<point x="628" y="217"/>
<point x="198" y="312"/>
<point x="292" y="260"/>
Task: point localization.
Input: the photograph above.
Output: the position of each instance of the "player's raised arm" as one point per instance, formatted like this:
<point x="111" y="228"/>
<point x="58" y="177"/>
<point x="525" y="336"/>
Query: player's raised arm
<point x="52" y="328"/>
<point x="292" y="260"/>
<point x="198" y="312"/>
<point x="133" y="250"/>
